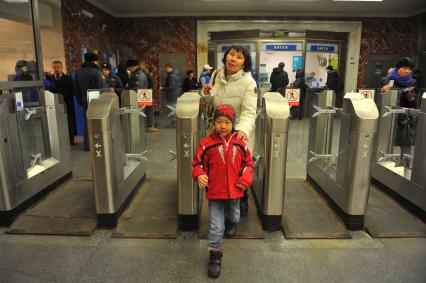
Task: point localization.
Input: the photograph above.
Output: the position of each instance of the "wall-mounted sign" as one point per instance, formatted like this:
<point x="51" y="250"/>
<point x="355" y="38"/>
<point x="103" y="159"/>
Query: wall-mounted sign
<point x="282" y="46"/>
<point x="280" y="33"/>
<point x="224" y="47"/>
<point x="322" y="47"/>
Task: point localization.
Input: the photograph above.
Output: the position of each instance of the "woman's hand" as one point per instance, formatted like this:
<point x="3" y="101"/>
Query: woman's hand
<point x="242" y="136"/>
<point x="202" y="181"/>
<point x="207" y="88"/>
<point x="386" y="88"/>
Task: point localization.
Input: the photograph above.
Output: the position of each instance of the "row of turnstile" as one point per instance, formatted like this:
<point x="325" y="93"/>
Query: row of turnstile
<point x="117" y="149"/>
<point x="344" y="177"/>
<point x="35" y="155"/>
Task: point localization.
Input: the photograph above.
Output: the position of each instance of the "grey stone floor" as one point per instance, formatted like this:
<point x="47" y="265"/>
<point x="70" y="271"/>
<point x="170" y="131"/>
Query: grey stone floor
<point x="100" y="258"/>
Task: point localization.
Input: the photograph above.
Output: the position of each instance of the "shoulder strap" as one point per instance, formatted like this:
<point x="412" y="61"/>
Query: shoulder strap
<point x="214" y="77"/>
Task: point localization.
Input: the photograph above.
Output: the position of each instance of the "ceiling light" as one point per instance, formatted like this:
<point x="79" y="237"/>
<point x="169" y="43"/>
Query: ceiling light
<point x="15" y="1"/>
<point x="358" y="0"/>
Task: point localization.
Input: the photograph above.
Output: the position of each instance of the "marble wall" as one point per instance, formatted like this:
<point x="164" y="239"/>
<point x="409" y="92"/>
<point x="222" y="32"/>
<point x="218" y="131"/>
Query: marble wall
<point x="145" y="38"/>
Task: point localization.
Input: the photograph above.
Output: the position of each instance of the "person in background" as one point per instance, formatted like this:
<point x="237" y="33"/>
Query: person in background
<point x="171" y="90"/>
<point x="122" y="73"/>
<point x="149" y="110"/>
<point x="401" y="78"/>
<point x="64" y="84"/>
<point x="296" y="111"/>
<point x="190" y="82"/>
<point x="224" y="165"/>
<point x="111" y="82"/>
<point x="89" y="76"/>
<point x="335" y="83"/>
<point x="137" y="79"/>
<point x="233" y="84"/>
<point x="205" y="75"/>
<point x="279" y="78"/>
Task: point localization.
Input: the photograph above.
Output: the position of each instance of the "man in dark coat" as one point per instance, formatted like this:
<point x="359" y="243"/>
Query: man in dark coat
<point x="111" y="82"/>
<point x="279" y="78"/>
<point x="89" y="76"/>
<point x="63" y="84"/>
<point x="171" y="89"/>
<point x="137" y="79"/>
<point x="332" y="78"/>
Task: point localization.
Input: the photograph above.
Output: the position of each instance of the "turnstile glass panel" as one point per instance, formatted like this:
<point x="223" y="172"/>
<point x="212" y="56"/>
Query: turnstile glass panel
<point x="33" y="136"/>
<point x="336" y="126"/>
<point x="298" y="137"/>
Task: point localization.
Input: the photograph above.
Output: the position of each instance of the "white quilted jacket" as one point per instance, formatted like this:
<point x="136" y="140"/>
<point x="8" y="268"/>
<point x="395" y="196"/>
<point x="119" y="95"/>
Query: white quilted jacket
<point x="239" y="91"/>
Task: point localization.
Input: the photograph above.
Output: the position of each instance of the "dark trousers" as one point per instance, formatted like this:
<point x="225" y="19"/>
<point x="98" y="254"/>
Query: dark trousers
<point x="86" y="137"/>
<point x="71" y="119"/>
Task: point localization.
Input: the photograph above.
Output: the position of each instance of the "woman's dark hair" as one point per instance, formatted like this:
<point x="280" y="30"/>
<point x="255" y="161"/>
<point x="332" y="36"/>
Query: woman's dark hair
<point x="188" y="72"/>
<point x="247" y="57"/>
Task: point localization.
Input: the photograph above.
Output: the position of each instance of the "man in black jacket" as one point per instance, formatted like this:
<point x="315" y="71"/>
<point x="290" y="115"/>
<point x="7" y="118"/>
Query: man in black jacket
<point x="63" y="84"/>
<point x="137" y="79"/>
<point x="279" y="78"/>
<point x="89" y="76"/>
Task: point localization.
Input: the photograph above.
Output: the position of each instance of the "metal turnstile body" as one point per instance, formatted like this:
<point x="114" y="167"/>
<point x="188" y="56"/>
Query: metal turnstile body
<point x="346" y="183"/>
<point x="116" y="175"/>
<point x="35" y="151"/>
<point x="133" y="123"/>
<point x="407" y="179"/>
<point x="270" y="158"/>
<point x="187" y="139"/>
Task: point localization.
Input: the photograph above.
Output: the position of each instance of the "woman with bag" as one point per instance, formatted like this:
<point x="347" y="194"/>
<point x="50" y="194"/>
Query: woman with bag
<point x="233" y="84"/>
<point x="402" y="79"/>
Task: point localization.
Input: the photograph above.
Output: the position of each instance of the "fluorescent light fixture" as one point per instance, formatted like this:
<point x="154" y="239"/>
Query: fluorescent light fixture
<point x="16" y="1"/>
<point x="358" y="0"/>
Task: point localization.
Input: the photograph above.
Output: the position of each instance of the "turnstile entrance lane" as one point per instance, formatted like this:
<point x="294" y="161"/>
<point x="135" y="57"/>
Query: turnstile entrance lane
<point x="77" y="207"/>
<point x="398" y="191"/>
<point x="34" y="151"/>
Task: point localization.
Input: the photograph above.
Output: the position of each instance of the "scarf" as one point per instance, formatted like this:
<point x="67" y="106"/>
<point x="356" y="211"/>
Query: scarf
<point x="404" y="81"/>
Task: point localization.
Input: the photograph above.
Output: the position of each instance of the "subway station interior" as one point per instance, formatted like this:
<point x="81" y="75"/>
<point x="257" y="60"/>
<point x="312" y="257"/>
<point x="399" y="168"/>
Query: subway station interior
<point x="105" y="105"/>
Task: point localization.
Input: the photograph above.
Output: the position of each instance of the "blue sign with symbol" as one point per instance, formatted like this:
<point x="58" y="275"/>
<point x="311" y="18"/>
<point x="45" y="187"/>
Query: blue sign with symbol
<point x="322" y="48"/>
<point x="297" y="62"/>
<point x="281" y="47"/>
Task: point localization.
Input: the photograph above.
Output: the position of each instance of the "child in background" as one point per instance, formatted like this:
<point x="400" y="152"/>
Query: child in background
<point x="225" y="166"/>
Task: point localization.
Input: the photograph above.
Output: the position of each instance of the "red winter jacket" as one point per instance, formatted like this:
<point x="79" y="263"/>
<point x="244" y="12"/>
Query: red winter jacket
<point x="226" y="162"/>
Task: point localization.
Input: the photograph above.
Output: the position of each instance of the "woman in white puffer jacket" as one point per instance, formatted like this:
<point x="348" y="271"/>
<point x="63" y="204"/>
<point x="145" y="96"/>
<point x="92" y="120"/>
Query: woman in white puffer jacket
<point x="233" y="84"/>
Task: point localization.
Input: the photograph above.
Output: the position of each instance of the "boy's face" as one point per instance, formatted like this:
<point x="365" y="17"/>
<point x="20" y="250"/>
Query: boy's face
<point x="223" y="126"/>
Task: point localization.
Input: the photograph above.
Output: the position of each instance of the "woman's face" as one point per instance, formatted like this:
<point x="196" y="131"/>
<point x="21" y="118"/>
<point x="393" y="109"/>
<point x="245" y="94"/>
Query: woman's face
<point x="404" y="71"/>
<point x="234" y="62"/>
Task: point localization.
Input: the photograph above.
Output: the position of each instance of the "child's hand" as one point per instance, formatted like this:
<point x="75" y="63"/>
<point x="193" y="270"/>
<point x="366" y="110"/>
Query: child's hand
<point x="202" y="181"/>
<point x="241" y="187"/>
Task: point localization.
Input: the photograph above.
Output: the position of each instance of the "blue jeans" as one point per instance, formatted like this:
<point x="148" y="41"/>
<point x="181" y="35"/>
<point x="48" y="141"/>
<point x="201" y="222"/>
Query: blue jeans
<point x="218" y="211"/>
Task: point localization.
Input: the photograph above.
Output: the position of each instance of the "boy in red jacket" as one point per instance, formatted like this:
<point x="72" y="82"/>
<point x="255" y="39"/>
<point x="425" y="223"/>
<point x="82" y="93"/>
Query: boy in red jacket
<point x="223" y="165"/>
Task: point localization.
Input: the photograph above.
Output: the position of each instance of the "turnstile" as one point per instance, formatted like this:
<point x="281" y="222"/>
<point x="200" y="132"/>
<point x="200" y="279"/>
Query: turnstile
<point x="117" y="169"/>
<point x="35" y="152"/>
<point x="132" y="124"/>
<point x="404" y="174"/>
<point x="347" y="181"/>
<point x="187" y="138"/>
<point x="270" y="159"/>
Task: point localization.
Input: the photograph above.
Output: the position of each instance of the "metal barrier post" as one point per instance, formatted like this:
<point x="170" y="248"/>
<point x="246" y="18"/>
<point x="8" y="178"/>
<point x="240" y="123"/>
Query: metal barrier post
<point x="187" y="138"/>
<point x="269" y="183"/>
<point x="348" y="182"/>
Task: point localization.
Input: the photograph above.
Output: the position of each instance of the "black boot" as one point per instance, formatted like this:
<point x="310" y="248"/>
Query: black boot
<point x="230" y="229"/>
<point x="215" y="262"/>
